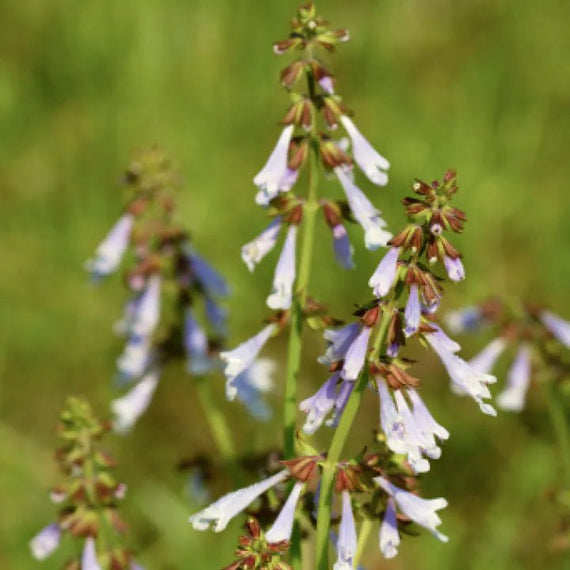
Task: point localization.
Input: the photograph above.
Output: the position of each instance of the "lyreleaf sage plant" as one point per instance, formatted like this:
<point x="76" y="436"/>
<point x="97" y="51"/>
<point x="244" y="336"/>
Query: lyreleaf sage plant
<point x="88" y="498"/>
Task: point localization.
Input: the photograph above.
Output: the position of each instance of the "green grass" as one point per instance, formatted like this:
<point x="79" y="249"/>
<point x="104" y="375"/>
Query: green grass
<point x="482" y="86"/>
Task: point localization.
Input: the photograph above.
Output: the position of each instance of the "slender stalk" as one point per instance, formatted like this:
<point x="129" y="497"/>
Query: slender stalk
<point x="560" y="428"/>
<point x="337" y="444"/>
<point x="364" y="535"/>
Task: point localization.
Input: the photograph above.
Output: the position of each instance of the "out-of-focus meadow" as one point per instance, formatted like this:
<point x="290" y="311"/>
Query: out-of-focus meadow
<point x="482" y="86"/>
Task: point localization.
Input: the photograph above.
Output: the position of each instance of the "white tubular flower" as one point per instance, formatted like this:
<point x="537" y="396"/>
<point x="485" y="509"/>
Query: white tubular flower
<point x="340" y="340"/>
<point x="275" y="176"/>
<point x="421" y="511"/>
<point x="110" y="251"/>
<point x="282" y="291"/>
<point x="283" y="525"/>
<point x="45" y="542"/>
<point x="356" y="355"/>
<point x="485" y="361"/>
<point x="242" y="357"/>
<point x="347" y="539"/>
<point x="252" y="383"/>
<point x="372" y="163"/>
<point x="513" y="397"/>
<point x="147" y="311"/>
<point x="135" y="358"/>
<point x="254" y="251"/>
<point x="220" y="513"/>
<point x="130" y="407"/>
<point x="89" y="559"/>
<point x="463" y="376"/>
<point x="364" y="212"/>
<point x="383" y="278"/>
<point x="389" y="535"/>
<point x="557" y="326"/>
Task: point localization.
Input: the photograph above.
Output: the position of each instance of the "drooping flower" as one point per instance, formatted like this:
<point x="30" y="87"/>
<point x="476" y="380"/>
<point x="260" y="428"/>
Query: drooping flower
<point x="424" y="420"/>
<point x="443" y="340"/>
<point x="217" y="317"/>
<point x="389" y="536"/>
<point x="252" y="384"/>
<point x="283" y="526"/>
<point x="413" y="312"/>
<point x="340" y="341"/>
<point x="317" y="407"/>
<point x="130" y="407"/>
<point x="343" y="249"/>
<point x="385" y="274"/>
<point x="372" y="163"/>
<point x="356" y="355"/>
<point x="135" y="359"/>
<point x="364" y="212"/>
<point x="89" y="559"/>
<point x="45" y="542"/>
<point x="454" y="268"/>
<point x="110" y="251"/>
<point x="557" y="326"/>
<point x="196" y="345"/>
<point x="282" y="291"/>
<point x="346" y="388"/>
<point x="254" y="251"/>
<point x="241" y="357"/>
<point x="391" y="420"/>
<point x="347" y="539"/>
<point x="462" y="320"/>
<point x="227" y="507"/>
<point x="485" y="361"/>
<point x="275" y="176"/>
<point x="421" y="511"/>
<point x="147" y="310"/>
<point x="464" y="377"/>
<point x="513" y="396"/>
<point x="209" y="279"/>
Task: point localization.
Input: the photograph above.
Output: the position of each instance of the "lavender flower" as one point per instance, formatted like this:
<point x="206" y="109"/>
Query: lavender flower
<point x="254" y="251"/>
<point x="413" y="312"/>
<point x="421" y="511"/>
<point x="196" y="345"/>
<point x="443" y="340"/>
<point x="343" y="249"/>
<point x="147" y="311"/>
<point x="227" y="507"/>
<point x="282" y="291"/>
<point x="252" y="383"/>
<point x="241" y="357"/>
<point x="45" y="542"/>
<point x="557" y="326"/>
<point x="130" y="407"/>
<point x="356" y="355"/>
<point x="367" y="158"/>
<point x="89" y="556"/>
<point x="340" y="340"/>
<point x="364" y="212"/>
<point x="513" y="396"/>
<point x="454" y="268"/>
<point x="217" y="316"/>
<point x="317" y="407"/>
<point x="110" y="251"/>
<point x="462" y="320"/>
<point x="391" y="420"/>
<point x="275" y="176"/>
<point x="424" y="420"/>
<point x="283" y="525"/>
<point x="346" y="388"/>
<point x="209" y="279"/>
<point x="135" y="359"/>
<point x="347" y="539"/>
<point x="385" y="274"/>
<point x="389" y="536"/>
<point x="485" y="361"/>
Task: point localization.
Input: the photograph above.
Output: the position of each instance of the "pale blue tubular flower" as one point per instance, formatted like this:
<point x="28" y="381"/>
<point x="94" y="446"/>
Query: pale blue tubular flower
<point x="413" y="312"/>
<point x="217" y="317"/>
<point x="464" y="378"/>
<point x="356" y="355"/>
<point x="281" y="295"/>
<point x="318" y="406"/>
<point x="135" y="359"/>
<point x="242" y="357"/>
<point x="147" y="310"/>
<point x="347" y="538"/>
<point x="221" y="512"/>
<point x="485" y="361"/>
<point x="252" y="384"/>
<point x="212" y="283"/>
<point x="512" y="398"/>
<point x="443" y="340"/>
<point x="45" y="542"/>
<point x="343" y="249"/>
<point x="346" y="388"/>
<point x="89" y="559"/>
<point x="254" y="251"/>
<point x="454" y="268"/>
<point x="130" y="407"/>
<point x="283" y="526"/>
<point x="425" y="422"/>
<point x="340" y="341"/>
<point x="372" y="163"/>
<point x="383" y="278"/>
<point x="389" y="538"/>
<point x="391" y="420"/>
<point x="463" y="320"/>
<point x="111" y="250"/>
<point x="196" y="345"/>
<point x="557" y="326"/>
<point x="364" y="212"/>
<point x="276" y="176"/>
<point x="421" y="511"/>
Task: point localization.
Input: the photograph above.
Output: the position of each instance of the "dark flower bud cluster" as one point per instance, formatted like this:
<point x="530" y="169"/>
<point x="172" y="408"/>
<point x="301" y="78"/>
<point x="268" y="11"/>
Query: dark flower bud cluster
<point x="89" y="497"/>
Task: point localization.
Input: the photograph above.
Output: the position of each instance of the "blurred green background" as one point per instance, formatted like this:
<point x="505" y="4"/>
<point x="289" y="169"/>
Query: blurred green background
<point x="482" y="86"/>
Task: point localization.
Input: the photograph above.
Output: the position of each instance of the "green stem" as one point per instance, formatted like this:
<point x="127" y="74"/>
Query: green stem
<point x="337" y="445"/>
<point x="364" y="535"/>
<point x="560" y="428"/>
